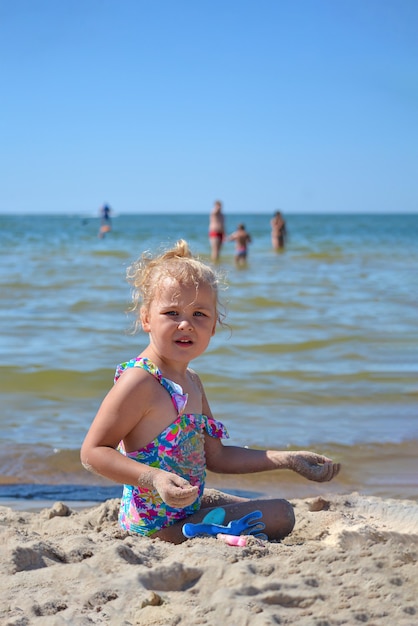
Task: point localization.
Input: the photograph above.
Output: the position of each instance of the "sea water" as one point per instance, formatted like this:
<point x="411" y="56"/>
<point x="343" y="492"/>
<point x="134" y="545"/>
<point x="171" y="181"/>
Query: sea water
<point x="319" y="350"/>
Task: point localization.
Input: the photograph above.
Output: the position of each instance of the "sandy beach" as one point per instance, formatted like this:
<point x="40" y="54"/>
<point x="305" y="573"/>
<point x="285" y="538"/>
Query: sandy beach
<point x="351" y="559"/>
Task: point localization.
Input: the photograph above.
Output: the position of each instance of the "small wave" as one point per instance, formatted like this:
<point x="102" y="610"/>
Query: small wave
<point x="67" y="493"/>
<point x="54" y="381"/>
<point x="119" y="254"/>
<point x="384" y="469"/>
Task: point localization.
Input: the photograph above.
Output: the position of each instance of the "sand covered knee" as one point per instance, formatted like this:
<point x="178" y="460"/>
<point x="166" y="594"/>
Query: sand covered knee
<point x="284" y="519"/>
<point x="290" y="513"/>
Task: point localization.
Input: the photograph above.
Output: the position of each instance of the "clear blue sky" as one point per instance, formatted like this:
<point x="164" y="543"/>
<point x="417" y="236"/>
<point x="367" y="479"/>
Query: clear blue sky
<point x="156" y="106"/>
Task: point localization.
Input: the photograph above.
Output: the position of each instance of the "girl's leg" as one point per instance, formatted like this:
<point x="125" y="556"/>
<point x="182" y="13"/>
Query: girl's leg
<point x="278" y="515"/>
<point x="213" y="498"/>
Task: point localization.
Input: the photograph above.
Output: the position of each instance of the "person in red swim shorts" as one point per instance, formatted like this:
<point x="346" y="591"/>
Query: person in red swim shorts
<point x="216" y="230"/>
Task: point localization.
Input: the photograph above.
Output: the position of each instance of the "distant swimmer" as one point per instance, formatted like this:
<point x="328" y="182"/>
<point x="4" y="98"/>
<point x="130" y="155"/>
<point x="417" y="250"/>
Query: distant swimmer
<point x="105" y="221"/>
<point x="242" y="238"/>
<point x="278" y="231"/>
<point x="216" y="230"/>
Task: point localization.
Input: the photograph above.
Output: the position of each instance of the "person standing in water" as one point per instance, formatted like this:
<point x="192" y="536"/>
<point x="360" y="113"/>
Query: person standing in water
<point x="278" y="231"/>
<point x="242" y="238"/>
<point x="105" y="221"/>
<point x="216" y="230"/>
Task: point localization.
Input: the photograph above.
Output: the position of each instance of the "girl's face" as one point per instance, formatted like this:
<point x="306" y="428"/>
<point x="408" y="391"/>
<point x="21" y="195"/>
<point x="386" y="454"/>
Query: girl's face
<point x="181" y="319"/>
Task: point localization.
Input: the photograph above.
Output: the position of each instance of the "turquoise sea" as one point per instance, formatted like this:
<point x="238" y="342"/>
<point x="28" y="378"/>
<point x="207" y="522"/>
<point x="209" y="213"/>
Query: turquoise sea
<point x="321" y="351"/>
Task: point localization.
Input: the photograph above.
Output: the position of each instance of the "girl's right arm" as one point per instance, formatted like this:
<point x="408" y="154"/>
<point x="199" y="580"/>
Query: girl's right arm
<point x="117" y="416"/>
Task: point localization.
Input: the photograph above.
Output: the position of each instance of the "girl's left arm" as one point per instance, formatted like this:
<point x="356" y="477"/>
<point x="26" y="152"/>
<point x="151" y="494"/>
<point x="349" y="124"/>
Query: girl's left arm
<point x="237" y="460"/>
<point x="225" y="459"/>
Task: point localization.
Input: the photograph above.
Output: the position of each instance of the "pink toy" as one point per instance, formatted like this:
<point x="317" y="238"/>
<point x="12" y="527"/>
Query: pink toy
<point x="233" y="540"/>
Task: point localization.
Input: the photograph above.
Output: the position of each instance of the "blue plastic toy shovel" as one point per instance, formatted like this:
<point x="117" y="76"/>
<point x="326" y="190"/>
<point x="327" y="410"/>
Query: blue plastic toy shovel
<point x="248" y="525"/>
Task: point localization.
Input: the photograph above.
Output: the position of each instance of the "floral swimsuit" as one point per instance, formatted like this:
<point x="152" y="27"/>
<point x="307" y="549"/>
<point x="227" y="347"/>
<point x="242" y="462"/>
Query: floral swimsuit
<point x="179" y="448"/>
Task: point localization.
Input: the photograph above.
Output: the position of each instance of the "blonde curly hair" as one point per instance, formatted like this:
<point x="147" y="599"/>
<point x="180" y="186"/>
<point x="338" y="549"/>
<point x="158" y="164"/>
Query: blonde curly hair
<point x="178" y="263"/>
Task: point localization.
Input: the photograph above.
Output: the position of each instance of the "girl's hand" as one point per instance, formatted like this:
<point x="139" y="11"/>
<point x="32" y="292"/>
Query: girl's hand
<point x="313" y="466"/>
<point x="174" y="490"/>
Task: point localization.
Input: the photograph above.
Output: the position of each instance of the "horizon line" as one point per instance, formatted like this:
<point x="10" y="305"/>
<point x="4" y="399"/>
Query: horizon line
<point x="177" y="213"/>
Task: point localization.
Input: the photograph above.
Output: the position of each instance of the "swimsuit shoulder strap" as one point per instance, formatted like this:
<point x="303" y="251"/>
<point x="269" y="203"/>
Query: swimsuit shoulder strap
<point x="178" y="398"/>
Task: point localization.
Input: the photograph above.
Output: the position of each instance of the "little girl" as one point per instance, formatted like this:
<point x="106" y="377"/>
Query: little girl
<point x="155" y="432"/>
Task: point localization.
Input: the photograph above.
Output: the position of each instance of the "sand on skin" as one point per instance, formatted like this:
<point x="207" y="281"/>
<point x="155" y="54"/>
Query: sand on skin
<point x="351" y="560"/>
